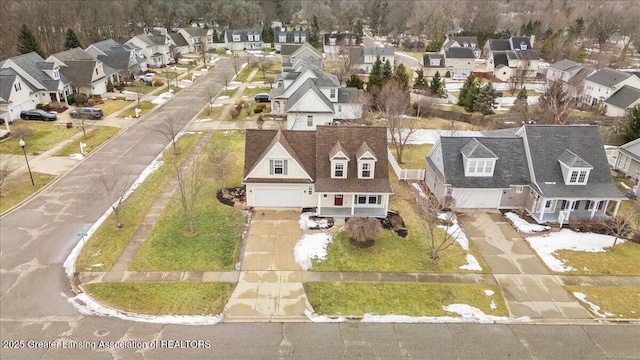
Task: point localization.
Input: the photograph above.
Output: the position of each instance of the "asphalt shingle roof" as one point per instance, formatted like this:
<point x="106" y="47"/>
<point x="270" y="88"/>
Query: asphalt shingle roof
<point x="572" y="160"/>
<point x="624" y="98"/>
<point x="426" y="60"/>
<point x="474" y="149"/>
<point x="6" y="85"/>
<point x="459" y="53"/>
<point x="178" y="39"/>
<point x="307" y="86"/>
<point x="379" y="51"/>
<point x="608" y="77"/>
<point x="499" y="44"/>
<point x="34" y="65"/>
<point x="564" y="65"/>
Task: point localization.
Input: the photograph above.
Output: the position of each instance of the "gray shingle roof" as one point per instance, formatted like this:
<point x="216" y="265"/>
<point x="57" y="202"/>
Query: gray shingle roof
<point x="516" y="41"/>
<point x="572" y="160"/>
<point x="73" y="54"/>
<point x="564" y="65"/>
<point x="290" y="35"/>
<point x="459" y="53"/>
<point x="288" y="49"/>
<point x="34" y="65"/>
<point x="608" y="77"/>
<point x="379" y="51"/>
<point x="244" y="33"/>
<point x="546" y="145"/>
<point x="500" y="58"/>
<point x="194" y="31"/>
<point x="461" y="40"/>
<point x="624" y="98"/>
<point x="178" y="39"/>
<point x="426" y="60"/>
<point x="6" y="85"/>
<point x="499" y="44"/>
<point x="631" y="148"/>
<point x="346" y="94"/>
<point x="79" y="72"/>
<point x="307" y="86"/>
<point x="105" y="44"/>
<point x="473" y="149"/>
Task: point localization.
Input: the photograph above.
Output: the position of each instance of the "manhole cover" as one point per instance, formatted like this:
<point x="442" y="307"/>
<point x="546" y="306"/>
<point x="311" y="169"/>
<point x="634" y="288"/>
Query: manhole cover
<point x="101" y="332"/>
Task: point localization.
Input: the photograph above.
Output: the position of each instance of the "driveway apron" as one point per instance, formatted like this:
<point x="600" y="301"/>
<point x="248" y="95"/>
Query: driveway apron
<point x="529" y="289"/>
<point x="270" y="284"/>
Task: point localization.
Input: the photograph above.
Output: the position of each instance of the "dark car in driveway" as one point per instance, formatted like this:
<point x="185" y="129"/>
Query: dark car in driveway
<point x="262" y="97"/>
<point x="38" y="114"/>
<point x="93" y="113"/>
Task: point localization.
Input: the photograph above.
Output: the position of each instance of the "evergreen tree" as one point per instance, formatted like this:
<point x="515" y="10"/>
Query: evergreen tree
<point x="437" y="85"/>
<point x="468" y="93"/>
<point x="267" y="32"/>
<point x="358" y="28"/>
<point x="400" y="74"/>
<point x="375" y="76"/>
<point x="419" y="83"/>
<point x="315" y="31"/>
<point x="485" y="101"/>
<point x="355" y="81"/>
<point x="632" y="130"/>
<point x="435" y="44"/>
<point x="387" y="70"/>
<point x="506" y="34"/>
<point x="27" y="42"/>
<point x="521" y="104"/>
<point x="71" y="40"/>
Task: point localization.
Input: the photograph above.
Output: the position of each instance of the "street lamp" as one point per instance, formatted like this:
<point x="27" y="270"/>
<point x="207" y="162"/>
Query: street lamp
<point x="22" y="144"/>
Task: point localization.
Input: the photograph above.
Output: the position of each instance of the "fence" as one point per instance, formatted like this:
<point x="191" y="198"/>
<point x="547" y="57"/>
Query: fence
<point x="404" y="174"/>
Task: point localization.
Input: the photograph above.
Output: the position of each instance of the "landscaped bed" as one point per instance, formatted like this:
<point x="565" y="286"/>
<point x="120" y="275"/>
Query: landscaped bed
<point x="605" y="301"/>
<point x="163" y="298"/>
<point x="95" y="137"/>
<point x="412" y="299"/>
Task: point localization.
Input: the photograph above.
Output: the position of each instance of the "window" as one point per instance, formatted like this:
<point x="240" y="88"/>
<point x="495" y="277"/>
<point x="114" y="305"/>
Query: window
<point x="303" y="38"/>
<point x="373" y="200"/>
<point x="366" y="170"/>
<point x="472" y="166"/>
<point x="547" y="205"/>
<point x="601" y="205"/>
<point x="17" y="86"/>
<point x="519" y="189"/>
<point x="488" y="166"/>
<point x="282" y="38"/>
<point x="338" y="170"/>
<point x="576" y="205"/>
<point x="362" y="199"/>
<point x="310" y="190"/>
<point x="582" y="177"/>
<point x="296" y="38"/>
<point x="256" y="37"/>
<point x="339" y="108"/>
<point x="565" y="205"/>
<point x="250" y="37"/>
<point x="278" y="167"/>
<point x="236" y="37"/>
<point x="574" y="177"/>
<point x="590" y="205"/>
<point x="332" y="93"/>
<point x="480" y="166"/>
<point x="310" y="120"/>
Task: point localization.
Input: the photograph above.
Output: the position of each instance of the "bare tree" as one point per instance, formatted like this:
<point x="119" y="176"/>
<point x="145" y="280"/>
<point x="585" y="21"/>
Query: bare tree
<point x="7" y="165"/>
<point x="191" y="182"/>
<point x="169" y="129"/>
<point x="395" y="103"/>
<point x="236" y="62"/>
<point x="82" y="124"/>
<point x="556" y="104"/>
<point x="115" y="185"/>
<point x="362" y="231"/>
<point x="211" y="95"/>
<point x="221" y="160"/>
<point x="226" y="78"/>
<point x="604" y="22"/>
<point x="622" y="224"/>
<point x="516" y="81"/>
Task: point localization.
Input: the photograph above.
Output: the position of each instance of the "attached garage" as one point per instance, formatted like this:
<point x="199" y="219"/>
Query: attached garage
<point x="283" y="197"/>
<point x="477" y="198"/>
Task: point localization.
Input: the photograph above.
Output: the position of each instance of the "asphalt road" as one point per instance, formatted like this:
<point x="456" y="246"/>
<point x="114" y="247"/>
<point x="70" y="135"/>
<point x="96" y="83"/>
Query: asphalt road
<point x="36" y="321"/>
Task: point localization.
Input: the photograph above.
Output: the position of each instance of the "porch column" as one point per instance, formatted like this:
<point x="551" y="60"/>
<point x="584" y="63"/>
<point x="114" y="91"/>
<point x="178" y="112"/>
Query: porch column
<point x="569" y="209"/>
<point x="615" y="211"/>
<point x="353" y="203"/>
<point x="543" y="205"/>
<point x="595" y="207"/>
<point x="319" y="203"/>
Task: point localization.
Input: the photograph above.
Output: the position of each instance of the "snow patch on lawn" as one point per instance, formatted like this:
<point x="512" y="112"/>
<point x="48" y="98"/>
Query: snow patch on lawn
<point x="456" y="232"/>
<point x="311" y="246"/>
<point x="472" y="263"/>
<point x="468" y="314"/>
<point x="566" y="239"/>
<point x="594" y="308"/>
<point x="306" y="223"/>
<point x="203" y="120"/>
<point x="223" y="97"/>
<point x="428" y="136"/>
<point x="489" y="292"/>
<point x="322" y="318"/>
<point x="419" y="189"/>
<point x="76" y="156"/>
<point x="523" y="226"/>
<point x="87" y="306"/>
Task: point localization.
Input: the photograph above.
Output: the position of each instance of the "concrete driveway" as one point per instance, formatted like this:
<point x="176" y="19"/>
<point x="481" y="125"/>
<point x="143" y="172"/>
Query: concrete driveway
<point x="529" y="289"/>
<point x="270" y="284"/>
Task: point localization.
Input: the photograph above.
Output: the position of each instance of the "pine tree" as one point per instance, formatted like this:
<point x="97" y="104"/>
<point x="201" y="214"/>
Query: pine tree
<point x="375" y="76"/>
<point x="358" y="28"/>
<point x="506" y="34"/>
<point x="419" y="83"/>
<point x="315" y="31"/>
<point x="27" y="42"/>
<point x="632" y="130"/>
<point x="387" y="70"/>
<point x="355" y="81"/>
<point x="485" y="101"/>
<point x="521" y="104"/>
<point x="400" y="74"/>
<point x="71" y="40"/>
<point x="437" y="85"/>
<point x="468" y="93"/>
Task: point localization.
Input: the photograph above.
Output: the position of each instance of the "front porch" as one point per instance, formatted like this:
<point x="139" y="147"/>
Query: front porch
<point x="341" y="212"/>
<point x="562" y="210"/>
<point x="348" y="205"/>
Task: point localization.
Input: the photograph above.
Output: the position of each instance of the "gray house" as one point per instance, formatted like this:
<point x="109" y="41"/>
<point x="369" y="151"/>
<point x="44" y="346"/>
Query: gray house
<point x="555" y="173"/>
<point x="628" y="159"/>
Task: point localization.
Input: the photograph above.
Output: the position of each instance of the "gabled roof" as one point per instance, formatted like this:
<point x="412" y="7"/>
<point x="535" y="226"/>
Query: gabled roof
<point x="6" y="86"/>
<point x="522" y="55"/>
<point x="426" y="60"/>
<point x="624" y="98"/>
<point x="105" y="44"/>
<point x="288" y="49"/>
<point x="461" y="40"/>
<point x="146" y="38"/>
<point x="307" y="47"/>
<point x="473" y="149"/>
<point x="516" y="41"/>
<point x="363" y="150"/>
<point x="572" y="160"/>
<point x="346" y="94"/>
<point x="308" y="85"/>
<point x="500" y="58"/>
<point x="609" y="77"/>
<point x="338" y="152"/>
<point x="79" y="72"/>
<point x="244" y="33"/>
<point x="631" y="148"/>
<point x="499" y="44"/>
<point x="73" y="54"/>
<point x="194" y="31"/>
<point x="340" y="37"/>
<point x="34" y="65"/>
<point x="379" y="51"/>
<point x="548" y="142"/>
<point x="459" y="53"/>
<point x="289" y="35"/>
<point x="178" y="39"/>
<point x="565" y="65"/>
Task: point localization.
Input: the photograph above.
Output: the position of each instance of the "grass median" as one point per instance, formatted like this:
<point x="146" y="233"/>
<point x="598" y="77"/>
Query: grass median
<point x="95" y="137"/>
<point x="163" y="298"/>
<point x="412" y="299"/>
<point x="620" y="301"/>
<point x="16" y="189"/>
<point x="619" y="261"/>
<point x="145" y="106"/>
<point x="44" y="136"/>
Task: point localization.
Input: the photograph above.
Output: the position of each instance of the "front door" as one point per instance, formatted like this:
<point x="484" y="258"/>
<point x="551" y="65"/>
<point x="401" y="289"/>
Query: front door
<point x="337" y="200"/>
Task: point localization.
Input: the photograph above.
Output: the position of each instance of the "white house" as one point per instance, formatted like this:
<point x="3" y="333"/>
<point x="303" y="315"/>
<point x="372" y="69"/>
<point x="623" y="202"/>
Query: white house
<point x="605" y="82"/>
<point x="155" y="49"/>
<point x="122" y="58"/>
<point x="622" y="100"/>
<point x="14" y="95"/>
<point x="628" y="159"/>
<point x="87" y="75"/>
<point x="197" y="38"/>
<point x="243" y="39"/>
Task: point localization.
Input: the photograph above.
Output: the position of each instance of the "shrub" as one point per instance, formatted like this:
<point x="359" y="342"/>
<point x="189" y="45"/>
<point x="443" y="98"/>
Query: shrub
<point x="110" y="86"/>
<point x="21" y="131"/>
<point x="93" y="102"/>
<point x="448" y="74"/>
<point x="80" y="99"/>
<point x="38" y="106"/>
<point x="120" y="86"/>
<point x="261" y="106"/>
<point x="234" y="113"/>
<point x="157" y="81"/>
<point x="587" y="224"/>
<point x="362" y="231"/>
<point x="57" y="107"/>
<point x="257" y="110"/>
<point x="71" y="99"/>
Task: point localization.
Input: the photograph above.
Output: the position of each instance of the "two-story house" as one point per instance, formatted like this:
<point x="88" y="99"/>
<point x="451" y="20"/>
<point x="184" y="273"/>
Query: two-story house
<point x="289" y="53"/>
<point x="155" y="48"/>
<point x="371" y="54"/>
<point x="604" y="83"/>
<point x="465" y="42"/>
<point x="122" y="58"/>
<point x="309" y="96"/>
<point x="178" y="44"/>
<point x="511" y="57"/>
<point x="341" y="171"/>
<point x="88" y="75"/>
<point x="572" y="75"/>
<point x="44" y="79"/>
<point x="628" y="160"/>
<point x="283" y="36"/>
<point x="197" y="38"/>
<point x="459" y="61"/>
<point x="243" y="39"/>
<point x="334" y="43"/>
<point x="14" y="95"/>
<point x="433" y="62"/>
<point x="555" y="173"/>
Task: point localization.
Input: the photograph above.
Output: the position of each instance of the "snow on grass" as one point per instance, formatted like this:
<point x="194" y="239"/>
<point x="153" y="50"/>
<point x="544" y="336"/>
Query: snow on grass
<point x="468" y="314"/>
<point x="429" y="136"/>
<point x="489" y="292"/>
<point x="566" y="239"/>
<point x="306" y="223"/>
<point x="223" y="97"/>
<point x="493" y="305"/>
<point x="87" y="306"/>
<point x="311" y="246"/>
<point x="313" y="317"/>
<point x="456" y="232"/>
<point x="203" y="120"/>
<point x="625" y="185"/>
<point x="523" y="226"/>
<point x="419" y="189"/>
<point x="472" y="263"/>
<point x="76" y="156"/>
<point x="594" y="308"/>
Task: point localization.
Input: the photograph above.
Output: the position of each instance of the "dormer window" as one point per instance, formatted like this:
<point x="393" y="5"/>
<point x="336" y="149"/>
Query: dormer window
<point x="365" y="170"/>
<point x="332" y="41"/>
<point x="56" y="75"/>
<point x="523" y="46"/>
<point x="366" y="161"/>
<point x="256" y="37"/>
<point x="339" y="169"/>
<point x="278" y="167"/>
<point x="236" y="37"/>
<point x="303" y="38"/>
<point x="296" y="38"/>
<point x="332" y="93"/>
<point x="575" y="170"/>
<point x="17" y="86"/>
<point x="477" y="159"/>
<point x="434" y="62"/>
<point x="282" y="38"/>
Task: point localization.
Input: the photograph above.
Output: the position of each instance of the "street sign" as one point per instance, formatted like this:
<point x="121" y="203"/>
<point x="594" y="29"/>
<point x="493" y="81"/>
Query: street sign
<point x="82" y="233"/>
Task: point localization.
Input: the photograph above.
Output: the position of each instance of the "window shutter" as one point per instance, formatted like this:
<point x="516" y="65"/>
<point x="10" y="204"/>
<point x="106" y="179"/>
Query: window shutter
<point x="285" y="166"/>
<point x="270" y="167"/>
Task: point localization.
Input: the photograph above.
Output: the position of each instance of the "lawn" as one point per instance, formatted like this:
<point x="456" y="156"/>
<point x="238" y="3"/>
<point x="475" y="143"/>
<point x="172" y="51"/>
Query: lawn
<point x="251" y="92"/>
<point x="413" y="156"/>
<point x="443" y="124"/>
<point x="621" y="301"/>
<point x="211" y="113"/>
<point x="244" y="74"/>
<point x="141" y="88"/>
<point x="96" y="135"/>
<point x="167" y="75"/>
<point x="214" y="246"/>
<point x="145" y="106"/>
<point x="621" y="261"/>
<point x="110" y="106"/>
<point x="45" y="137"/>
<point x="412" y="299"/>
<point x="108" y="241"/>
<point x="15" y="190"/>
<point x="228" y="92"/>
<point x="163" y="298"/>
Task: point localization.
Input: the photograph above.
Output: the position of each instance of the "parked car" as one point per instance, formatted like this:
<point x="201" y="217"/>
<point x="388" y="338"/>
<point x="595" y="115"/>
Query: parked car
<point x="87" y="113"/>
<point x="262" y="97"/>
<point x="146" y="77"/>
<point x="38" y="114"/>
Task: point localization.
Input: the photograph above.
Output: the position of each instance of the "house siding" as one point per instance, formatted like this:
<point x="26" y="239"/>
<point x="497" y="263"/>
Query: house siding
<point x="298" y="121"/>
<point x="263" y="170"/>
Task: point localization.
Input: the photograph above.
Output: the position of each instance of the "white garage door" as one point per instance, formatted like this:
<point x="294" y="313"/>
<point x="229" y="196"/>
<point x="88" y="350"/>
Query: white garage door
<point x="477" y="198"/>
<point x="277" y="198"/>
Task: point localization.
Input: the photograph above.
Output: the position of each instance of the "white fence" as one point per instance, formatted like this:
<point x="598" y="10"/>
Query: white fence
<point x="404" y="174"/>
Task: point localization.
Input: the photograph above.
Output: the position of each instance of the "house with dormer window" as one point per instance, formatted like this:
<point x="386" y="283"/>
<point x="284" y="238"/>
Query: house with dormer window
<point x="340" y="171"/>
<point x="470" y="42"/>
<point x="243" y="39"/>
<point x="88" y="75"/>
<point x="197" y="38"/>
<point x="555" y="173"/>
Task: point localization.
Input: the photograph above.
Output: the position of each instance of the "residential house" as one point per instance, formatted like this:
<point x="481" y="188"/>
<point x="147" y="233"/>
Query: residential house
<point x="371" y="54"/>
<point x="628" y="159"/>
<point x="459" y="61"/>
<point x="432" y="63"/>
<point x="197" y="38"/>
<point x="154" y="47"/>
<point x="341" y="171"/>
<point x="292" y="52"/>
<point x="15" y="95"/>
<point x="334" y="43"/>
<point x="122" y="58"/>
<point x="622" y="100"/>
<point x="283" y="36"/>
<point x="308" y="96"/>
<point x="463" y="42"/>
<point x="605" y="82"/>
<point x="88" y="75"/>
<point x="44" y="79"/>
<point x="243" y="39"/>
<point x="555" y="173"/>
<point x="178" y="44"/>
<point x="514" y="53"/>
<point x="571" y="73"/>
